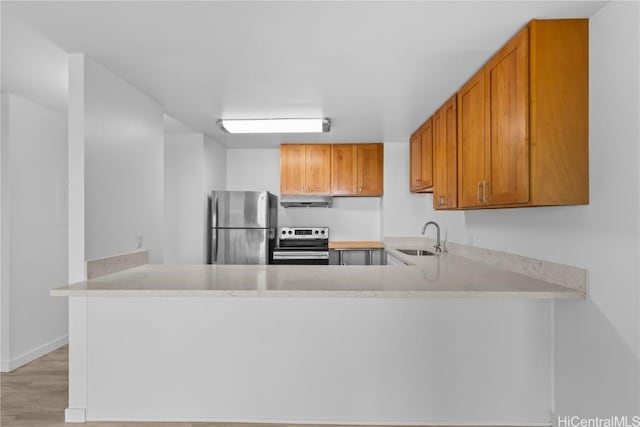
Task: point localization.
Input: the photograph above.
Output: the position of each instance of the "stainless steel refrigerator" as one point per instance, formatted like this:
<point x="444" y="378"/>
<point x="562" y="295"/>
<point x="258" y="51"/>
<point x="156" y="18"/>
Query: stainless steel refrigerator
<point x="243" y="227"/>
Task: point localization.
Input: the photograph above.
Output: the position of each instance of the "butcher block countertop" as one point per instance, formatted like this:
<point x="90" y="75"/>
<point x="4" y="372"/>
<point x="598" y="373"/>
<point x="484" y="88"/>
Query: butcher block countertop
<point x="361" y="244"/>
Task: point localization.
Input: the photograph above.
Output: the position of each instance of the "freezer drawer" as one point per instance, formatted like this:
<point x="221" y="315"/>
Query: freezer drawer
<point x="240" y="246"/>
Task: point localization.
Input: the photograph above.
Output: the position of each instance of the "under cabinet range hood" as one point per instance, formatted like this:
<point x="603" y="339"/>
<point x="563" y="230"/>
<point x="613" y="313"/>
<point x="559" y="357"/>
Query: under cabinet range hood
<point x="296" y="201"/>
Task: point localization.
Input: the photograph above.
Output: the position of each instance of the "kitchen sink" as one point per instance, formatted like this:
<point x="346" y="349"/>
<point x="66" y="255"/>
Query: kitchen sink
<point x="416" y="252"/>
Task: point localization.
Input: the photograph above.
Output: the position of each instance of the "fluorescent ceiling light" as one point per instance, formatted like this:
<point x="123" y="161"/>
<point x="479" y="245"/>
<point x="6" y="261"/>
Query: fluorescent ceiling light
<point x="275" y="125"/>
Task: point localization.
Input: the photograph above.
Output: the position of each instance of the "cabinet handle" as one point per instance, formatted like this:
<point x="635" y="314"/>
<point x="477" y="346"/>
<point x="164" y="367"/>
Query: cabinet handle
<point x="478" y="192"/>
<point x="360" y="190"/>
<point x="484" y="191"/>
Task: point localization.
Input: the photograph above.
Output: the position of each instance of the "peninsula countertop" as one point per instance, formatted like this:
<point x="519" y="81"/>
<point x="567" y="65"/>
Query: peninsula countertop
<point x="444" y="275"/>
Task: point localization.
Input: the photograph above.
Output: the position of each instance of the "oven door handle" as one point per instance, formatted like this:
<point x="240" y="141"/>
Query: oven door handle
<point x="287" y="255"/>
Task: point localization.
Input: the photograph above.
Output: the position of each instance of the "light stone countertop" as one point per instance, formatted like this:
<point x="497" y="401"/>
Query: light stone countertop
<point x="441" y="276"/>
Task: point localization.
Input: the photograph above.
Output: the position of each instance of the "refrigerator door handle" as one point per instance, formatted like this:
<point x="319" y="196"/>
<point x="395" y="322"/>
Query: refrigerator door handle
<point x="214" y="246"/>
<point x="214" y="221"/>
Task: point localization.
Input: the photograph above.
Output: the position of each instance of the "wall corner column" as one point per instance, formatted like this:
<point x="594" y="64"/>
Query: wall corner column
<point x="76" y="158"/>
<point x="5" y="227"/>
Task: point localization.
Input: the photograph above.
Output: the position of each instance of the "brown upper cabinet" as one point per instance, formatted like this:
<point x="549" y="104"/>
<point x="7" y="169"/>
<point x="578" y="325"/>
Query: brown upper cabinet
<point x="305" y="169"/>
<point x="523" y="121"/>
<point x="370" y="169"/>
<point x="357" y="169"/>
<point x="445" y="161"/>
<point x="415" y="162"/>
<point x="471" y="141"/>
<point x="421" y="159"/>
<point x="344" y="179"/>
<point x="336" y="169"/>
<point x="494" y="147"/>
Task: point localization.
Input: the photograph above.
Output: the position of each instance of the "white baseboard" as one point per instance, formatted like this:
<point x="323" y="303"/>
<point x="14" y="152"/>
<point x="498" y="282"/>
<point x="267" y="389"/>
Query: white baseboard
<point x="319" y="422"/>
<point x="23" y="359"/>
<point x="75" y="415"/>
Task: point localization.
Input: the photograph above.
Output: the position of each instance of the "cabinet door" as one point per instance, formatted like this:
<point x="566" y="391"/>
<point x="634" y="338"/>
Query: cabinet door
<point x="292" y="169"/>
<point x="507" y="145"/>
<point x="415" y="162"/>
<point x="318" y="168"/>
<point x="439" y="160"/>
<point x="426" y="155"/>
<point x="471" y="136"/>
<point x="559" y="112"/>
<point x="370" y="166"/>
<point x="344" y="179"/>
<point x="446" y="160"/>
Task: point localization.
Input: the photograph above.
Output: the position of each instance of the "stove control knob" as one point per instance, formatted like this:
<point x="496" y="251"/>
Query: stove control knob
<point x="316" y="232"/>
<point x="290" y="232"/>
<point x="284" y="232"/>
<point x="322" y="232"/>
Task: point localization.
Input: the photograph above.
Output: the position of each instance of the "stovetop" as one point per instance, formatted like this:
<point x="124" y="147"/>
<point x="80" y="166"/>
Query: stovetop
<point x="303" y="238"/>
<point x="304" y="233"/>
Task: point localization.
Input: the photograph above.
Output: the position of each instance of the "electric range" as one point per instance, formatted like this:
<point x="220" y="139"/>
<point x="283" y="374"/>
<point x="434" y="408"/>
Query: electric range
<point x="302" y="245"/>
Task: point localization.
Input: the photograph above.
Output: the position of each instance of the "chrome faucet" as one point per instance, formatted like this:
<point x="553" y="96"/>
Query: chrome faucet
<point x="424" y="228"/>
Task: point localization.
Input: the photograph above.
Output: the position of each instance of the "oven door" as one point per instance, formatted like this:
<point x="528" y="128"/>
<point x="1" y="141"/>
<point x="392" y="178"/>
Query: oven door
<point x="300" y="257"/>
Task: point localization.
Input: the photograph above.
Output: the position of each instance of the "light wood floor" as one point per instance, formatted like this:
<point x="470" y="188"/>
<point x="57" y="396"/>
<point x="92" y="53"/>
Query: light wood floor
<point x="36" y="395"/>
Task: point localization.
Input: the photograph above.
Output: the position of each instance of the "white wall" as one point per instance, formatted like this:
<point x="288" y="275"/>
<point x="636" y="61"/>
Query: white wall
<point x="253" y="169"/>
<point x="75" y="166"/>
<point x="596" y="341"/>
<point x="403" y="212"/>
<point x="5" y="223"/>
<point x="33" y="67"/>
<point x="194" y="166"/>
<point x="350" y="218"/>
<point x="184" y="199"/>
<point x="215" y="166"/>
<point x="124" y="146"/>
<point x="34" y="230"/>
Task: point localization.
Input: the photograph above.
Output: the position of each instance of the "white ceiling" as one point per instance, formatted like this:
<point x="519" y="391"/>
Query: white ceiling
<point x="376" y="69"/>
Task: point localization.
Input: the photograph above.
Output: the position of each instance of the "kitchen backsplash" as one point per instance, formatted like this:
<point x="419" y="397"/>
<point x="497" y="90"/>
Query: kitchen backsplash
<point x="350" y="218"/>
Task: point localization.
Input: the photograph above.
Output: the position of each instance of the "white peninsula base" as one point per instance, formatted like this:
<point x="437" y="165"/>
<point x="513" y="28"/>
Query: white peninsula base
<point x="310" y="360"/>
